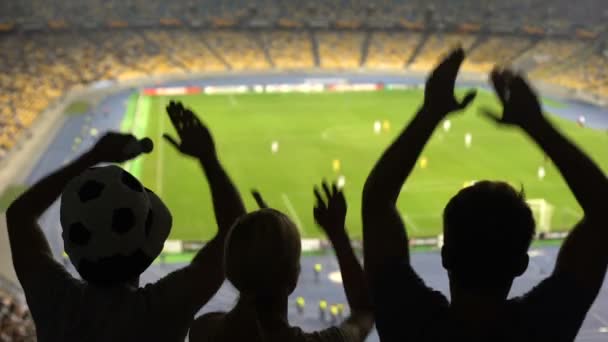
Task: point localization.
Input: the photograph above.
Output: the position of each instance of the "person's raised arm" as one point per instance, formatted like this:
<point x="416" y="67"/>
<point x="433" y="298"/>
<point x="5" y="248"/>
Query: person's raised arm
<point x="29" y="247"/>
<point x="584" y="255"/>
<point x="384" y="235"/>
<point x="330" y="215"/>
<point x="196" y="141"/>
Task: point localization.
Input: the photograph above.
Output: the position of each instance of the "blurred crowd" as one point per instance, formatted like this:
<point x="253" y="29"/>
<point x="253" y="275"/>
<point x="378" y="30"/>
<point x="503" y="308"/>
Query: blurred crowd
<point x="556" y="15"/>
<point x="38" y="67"/>
<point x="15" y="321"/>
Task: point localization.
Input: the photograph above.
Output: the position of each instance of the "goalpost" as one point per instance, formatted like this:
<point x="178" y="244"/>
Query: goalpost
<point x="543" y="214"/>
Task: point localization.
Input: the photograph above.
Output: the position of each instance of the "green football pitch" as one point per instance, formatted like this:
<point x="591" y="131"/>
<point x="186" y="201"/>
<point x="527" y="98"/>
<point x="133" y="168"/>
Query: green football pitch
<point x="315" y="132"/>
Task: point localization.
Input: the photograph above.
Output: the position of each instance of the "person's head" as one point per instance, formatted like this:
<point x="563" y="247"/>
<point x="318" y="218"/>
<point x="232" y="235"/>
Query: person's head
<point x="113" y="227"/>
<point x="488" y="228"/>
<point x="262" y="256"/>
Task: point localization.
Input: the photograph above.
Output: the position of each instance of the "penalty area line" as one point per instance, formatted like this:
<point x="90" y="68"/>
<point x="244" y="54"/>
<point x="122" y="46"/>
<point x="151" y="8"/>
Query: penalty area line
<point x="293" y="213"/>
<point x="129" y="164"/>
<point x="232" y="100"/>
<point x="159" y="159"/>
<point x="572" y="212"/>
<point x="410" y="223"/>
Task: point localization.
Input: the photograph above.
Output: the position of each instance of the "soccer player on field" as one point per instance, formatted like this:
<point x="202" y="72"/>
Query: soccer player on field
<point x="488" y="228"/>
<point x="109" y="309"/>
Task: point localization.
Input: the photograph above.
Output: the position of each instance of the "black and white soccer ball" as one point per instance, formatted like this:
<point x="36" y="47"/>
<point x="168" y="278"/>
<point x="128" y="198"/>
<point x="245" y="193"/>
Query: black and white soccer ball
<point x="113" y="227"/>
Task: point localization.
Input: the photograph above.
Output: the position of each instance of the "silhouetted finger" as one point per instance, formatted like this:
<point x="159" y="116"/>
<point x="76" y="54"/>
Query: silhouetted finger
<point x="334" y="188"/>
<point x="173" y="116"/>
<point x="189" y="117"/>
<point x="341" y="197"/>
<point x="258" y="199"/>
<point x="196" y="121"/>
<point x="317" y="214"/>
<point x="469" y="97"/>
<point x="521" y="86"/>
<point x="499" y="84"/>
<point x="320" y="202"/>
<point x="326" y="189"/>
<point x="491" y="115"/>
<point x="172" y="141"/>
<point x="448" y="69"/>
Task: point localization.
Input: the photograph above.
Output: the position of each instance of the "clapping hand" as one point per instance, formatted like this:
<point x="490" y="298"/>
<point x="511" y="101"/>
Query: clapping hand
<point x="330" y="212"/>
<point x="439" y="97"/>
<point x="520" y="104"/>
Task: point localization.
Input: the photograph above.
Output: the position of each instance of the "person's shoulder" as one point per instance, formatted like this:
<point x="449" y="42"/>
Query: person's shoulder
<point x="332" y="334"/>
<point x="209" y="320"/>
<point x="556" y="301"/>
<point x="399" y="279"/>
<point x="556" y="287"/>
<point x="204" y="324"/>
<point x="211" y="317"/>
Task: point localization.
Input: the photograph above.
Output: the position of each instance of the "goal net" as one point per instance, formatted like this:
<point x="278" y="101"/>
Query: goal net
<point x="543" y="213"/>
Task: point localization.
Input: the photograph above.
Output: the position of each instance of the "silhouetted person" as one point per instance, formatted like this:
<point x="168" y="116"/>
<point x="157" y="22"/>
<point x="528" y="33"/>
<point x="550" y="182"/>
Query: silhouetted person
<point x="488" y="228"/>
<point x="263" y="263"/>
<point x="322" y="310"/>
<point x="317" y="272"/>
<point x="300" y="305"/>
<point x="107" y="309"/>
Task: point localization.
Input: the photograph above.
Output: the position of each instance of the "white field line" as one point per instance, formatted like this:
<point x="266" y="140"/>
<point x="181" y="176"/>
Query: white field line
<point x="129" y="164"/>
<point x="293" y="213"/>
<point x="159" y="159"/>
<point x="600" y="319"/>
<point x="410" y="223"/>
<point x="572" y="212"/>
<point x="233" y="101"/>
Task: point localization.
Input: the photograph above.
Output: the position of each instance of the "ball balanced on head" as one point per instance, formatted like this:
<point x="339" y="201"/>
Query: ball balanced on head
<point x="113" y="227"/>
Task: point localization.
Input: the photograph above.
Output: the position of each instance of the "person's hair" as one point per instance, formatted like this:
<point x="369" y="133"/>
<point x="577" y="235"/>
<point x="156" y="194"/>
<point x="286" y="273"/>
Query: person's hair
<point x="488" y="228"/>
<point x="262" y="261"/>
<point x="262" y="254"/>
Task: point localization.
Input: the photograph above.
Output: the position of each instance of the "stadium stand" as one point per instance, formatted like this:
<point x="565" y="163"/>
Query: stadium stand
<point x="289" y="50"/>
<point x="587" y="74"/>
<point x="538" y="59"/>
<point x="241" y="50"/>
<point x="340" y="50"/>
<point x="436" y="47"/>
<point x="495" y="51"/>
<point x="391" y="50"/>
<point x="48" y="48"/>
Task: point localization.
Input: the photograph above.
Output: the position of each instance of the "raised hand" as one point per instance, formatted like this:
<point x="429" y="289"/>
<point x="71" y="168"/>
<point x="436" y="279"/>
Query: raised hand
<point x="439" y="97"/>
<point x="196" y="140"/>
<point x="520" y="103"/>
<point x="110" y="148"/>
<point x="330" y="213"/>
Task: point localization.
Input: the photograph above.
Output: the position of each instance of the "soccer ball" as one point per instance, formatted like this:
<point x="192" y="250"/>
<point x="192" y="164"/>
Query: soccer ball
<point x="113" y="227"/>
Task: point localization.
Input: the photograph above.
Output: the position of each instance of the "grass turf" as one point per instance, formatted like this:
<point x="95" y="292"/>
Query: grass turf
<point x="10" y="194"/>
<point x="313" y="130"/>
<point x="77" y="108"/>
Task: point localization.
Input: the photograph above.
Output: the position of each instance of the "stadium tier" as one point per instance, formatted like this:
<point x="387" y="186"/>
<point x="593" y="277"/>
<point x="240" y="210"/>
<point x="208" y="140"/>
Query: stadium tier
<point x="47" y="49"/>
<point x="39" y="66"/>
